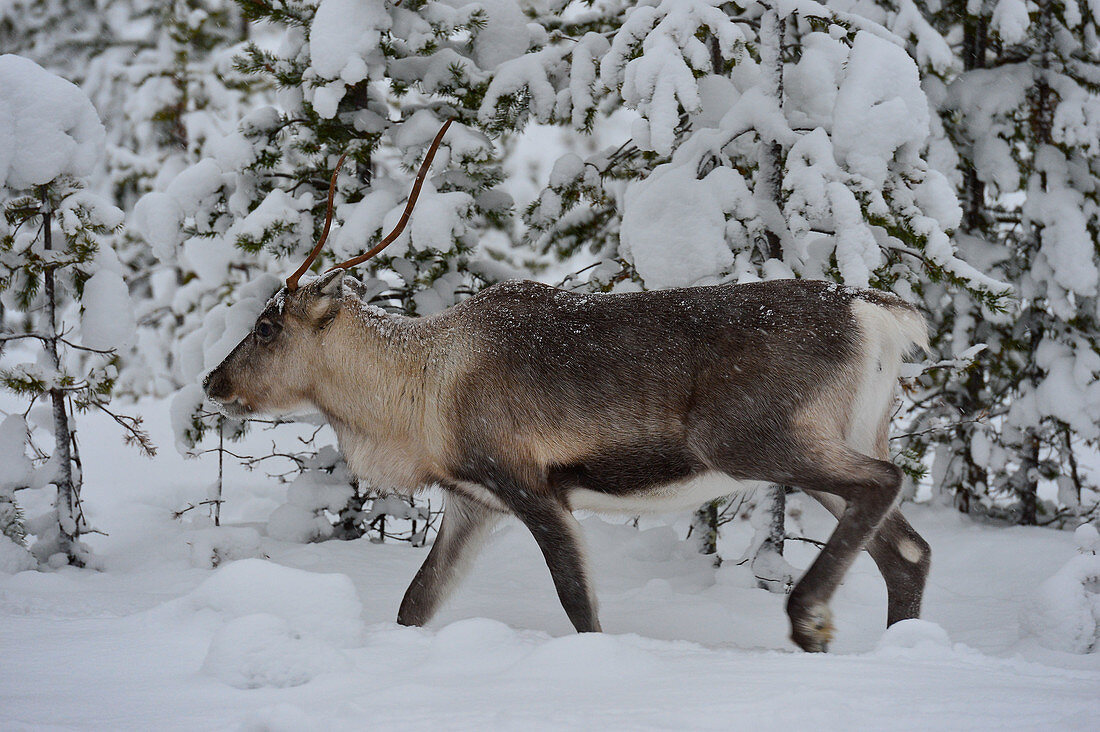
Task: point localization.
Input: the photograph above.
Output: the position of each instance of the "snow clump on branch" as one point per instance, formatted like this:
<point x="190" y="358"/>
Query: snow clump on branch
<point x="48" y="126"/>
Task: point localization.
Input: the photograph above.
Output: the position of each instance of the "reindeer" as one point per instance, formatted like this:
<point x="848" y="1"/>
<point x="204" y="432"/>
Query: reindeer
<point x="533" y="401"/>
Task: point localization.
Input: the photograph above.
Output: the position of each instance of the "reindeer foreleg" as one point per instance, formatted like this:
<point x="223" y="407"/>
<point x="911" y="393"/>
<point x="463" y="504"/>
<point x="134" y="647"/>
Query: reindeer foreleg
<point x="466" y="524"/>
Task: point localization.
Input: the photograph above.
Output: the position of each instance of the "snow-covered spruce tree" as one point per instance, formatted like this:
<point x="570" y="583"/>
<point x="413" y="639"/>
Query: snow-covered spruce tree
<point x="155" y="68"/>
<point x="60" y="288"/>
<point x="950" y="403"/>
<point x="1055" y="343"/>
<point x="375" y="80"/>
<point x="1018" y="116"/>
<point x="771" y="144"/>
<point x="161" y="71"/>
<point x="147" y="65"/>
<point x="177" y="99"/>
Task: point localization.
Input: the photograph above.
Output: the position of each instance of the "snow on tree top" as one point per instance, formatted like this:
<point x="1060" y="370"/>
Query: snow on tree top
<point x="505" y="34"/>
<point x="1011" y="19"/>
<point x="343" y="31"/>
<point x="662" y="76"/>
<point x="16" y="469"/>
<point x="48" y="126"/>
<point x="343" y="39"/>
<point x="674" y="227"/>
<point x="880" y="107"/>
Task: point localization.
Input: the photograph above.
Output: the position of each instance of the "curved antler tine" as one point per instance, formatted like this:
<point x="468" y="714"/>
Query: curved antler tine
<point x="420" y="175"/>
<point x="292" y="281"/>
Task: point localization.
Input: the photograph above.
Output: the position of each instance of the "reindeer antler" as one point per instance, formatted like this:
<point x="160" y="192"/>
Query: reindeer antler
<point x="420" y="175"/>
<point x="292" y="281"/>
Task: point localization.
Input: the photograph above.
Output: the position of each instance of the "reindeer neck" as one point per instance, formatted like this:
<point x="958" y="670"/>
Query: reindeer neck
<point x="372" y="379"/>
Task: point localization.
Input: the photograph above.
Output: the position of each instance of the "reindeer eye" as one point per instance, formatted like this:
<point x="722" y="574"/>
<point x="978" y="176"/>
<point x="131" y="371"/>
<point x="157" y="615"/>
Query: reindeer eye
<point x="266" y="330"/>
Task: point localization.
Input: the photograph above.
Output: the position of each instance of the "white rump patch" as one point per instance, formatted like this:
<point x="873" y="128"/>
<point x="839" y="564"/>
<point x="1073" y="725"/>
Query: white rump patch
<point x="888" y="333"/>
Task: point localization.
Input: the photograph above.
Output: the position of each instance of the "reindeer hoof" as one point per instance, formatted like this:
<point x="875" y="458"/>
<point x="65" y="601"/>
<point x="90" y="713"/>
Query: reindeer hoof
<point x="812" y="629"/>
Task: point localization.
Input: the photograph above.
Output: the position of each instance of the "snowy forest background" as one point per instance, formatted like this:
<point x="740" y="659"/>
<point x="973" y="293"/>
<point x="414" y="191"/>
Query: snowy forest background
<point x="164" y="164"/>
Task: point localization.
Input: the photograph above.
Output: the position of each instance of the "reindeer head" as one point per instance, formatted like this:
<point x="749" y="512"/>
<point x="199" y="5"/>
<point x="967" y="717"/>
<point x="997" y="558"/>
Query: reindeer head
<point x="275" y="368"/>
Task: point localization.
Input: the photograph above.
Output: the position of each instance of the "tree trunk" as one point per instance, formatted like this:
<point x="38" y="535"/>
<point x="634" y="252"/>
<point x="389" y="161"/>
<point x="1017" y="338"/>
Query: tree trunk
<point x="975" y="475"/>
<point x="704" y="525"/>
<point x="1074" y="472"/>
<point x="221" y="463"/>
<point x="975" y="222"/>
<point x="777" y="524"/>
<point x="771" y="570"/>
<point x="68" y="496"/>
<point x="1041" y="95"/>
<point x="772" y="32"/>
<point x="975" y="46"/>
<point x="1029" y="486"/>
<point x="1042" y="101"/>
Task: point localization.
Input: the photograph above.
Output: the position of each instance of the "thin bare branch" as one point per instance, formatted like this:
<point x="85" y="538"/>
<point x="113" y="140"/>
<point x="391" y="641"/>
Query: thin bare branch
<point x="135" y="433"/>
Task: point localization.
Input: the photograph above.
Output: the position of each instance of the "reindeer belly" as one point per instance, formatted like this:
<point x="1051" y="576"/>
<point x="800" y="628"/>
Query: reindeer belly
<point x="676" y="496"/>
<point x="655" y="477"/>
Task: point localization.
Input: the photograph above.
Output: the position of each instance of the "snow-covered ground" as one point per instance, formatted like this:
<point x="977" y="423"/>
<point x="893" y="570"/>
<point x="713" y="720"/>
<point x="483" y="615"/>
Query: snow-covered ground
<point x="153" y="641"/>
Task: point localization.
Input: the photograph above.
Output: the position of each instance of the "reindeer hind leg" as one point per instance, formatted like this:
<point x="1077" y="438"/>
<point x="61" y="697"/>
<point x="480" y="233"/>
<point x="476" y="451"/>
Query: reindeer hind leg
<point x="903" y="558"/>
<point x="868" y="488"/>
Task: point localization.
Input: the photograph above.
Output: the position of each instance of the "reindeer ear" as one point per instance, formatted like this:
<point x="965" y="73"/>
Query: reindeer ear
<point x="331" y="284"/>
<point x="329" y="291"/>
